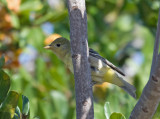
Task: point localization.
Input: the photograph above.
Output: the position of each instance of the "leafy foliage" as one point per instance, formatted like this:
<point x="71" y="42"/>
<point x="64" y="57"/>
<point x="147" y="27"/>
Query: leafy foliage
<point x="117" y="116"/>
<point x="1" y="62"/>
<point x="113" y="115"/>
<point x="4" y="85"/>
<point x="9" y="99"/>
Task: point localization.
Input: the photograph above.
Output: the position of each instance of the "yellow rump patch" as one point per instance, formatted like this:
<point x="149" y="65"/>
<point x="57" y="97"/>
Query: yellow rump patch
<point x="111" y="77"/>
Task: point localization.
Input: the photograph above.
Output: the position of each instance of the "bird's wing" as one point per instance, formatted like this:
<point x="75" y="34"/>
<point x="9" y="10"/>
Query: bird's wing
<point x="96" y="55"/>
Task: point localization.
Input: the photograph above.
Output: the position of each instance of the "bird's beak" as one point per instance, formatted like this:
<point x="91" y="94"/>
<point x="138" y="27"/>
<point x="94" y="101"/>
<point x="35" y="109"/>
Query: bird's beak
<point x="47" y="47"/>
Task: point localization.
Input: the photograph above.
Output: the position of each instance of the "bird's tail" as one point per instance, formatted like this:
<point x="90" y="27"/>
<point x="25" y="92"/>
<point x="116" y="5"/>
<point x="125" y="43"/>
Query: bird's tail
<point x="130" y="89"/>
<point x="112" y="77"/>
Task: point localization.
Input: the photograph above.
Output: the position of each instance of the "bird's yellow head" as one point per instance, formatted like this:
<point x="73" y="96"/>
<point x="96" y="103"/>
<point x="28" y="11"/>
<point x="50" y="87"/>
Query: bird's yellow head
<point x="59" y="46"/>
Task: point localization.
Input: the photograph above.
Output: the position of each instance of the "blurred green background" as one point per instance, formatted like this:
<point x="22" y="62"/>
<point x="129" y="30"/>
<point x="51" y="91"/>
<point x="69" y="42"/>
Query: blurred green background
<point x="123" y="31"/>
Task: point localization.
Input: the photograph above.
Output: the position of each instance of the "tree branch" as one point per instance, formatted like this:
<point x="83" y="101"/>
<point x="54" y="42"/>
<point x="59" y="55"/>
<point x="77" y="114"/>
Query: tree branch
<point x="79" y="49"/>
<point x="156" y="46"/>
<point x="150" y="98"/>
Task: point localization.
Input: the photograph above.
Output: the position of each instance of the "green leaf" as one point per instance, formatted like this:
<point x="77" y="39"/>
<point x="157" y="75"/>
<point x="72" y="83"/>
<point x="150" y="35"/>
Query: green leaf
<point x="2" y="61"/>
<point x="3" y="2"/>
<point x="25" y="108"/>
<point x="4" y="85"/>
<point x="30" y="5"/>
<point x="9" y="105"/>
<point x="52" y="17"/>
<point x="107" y="111"/>
<point x="99" y="111"/>
<point x="36" y="33"/>
<point x="59" y="101"/>
<point x="15" y="21"/>
<point x="36" y="117"/>
<point x="115" y="115"/>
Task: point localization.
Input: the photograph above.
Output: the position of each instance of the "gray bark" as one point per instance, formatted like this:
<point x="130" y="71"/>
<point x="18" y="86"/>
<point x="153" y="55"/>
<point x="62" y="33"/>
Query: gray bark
<point x="79" y="50"/>
<point x="150" y="98"/>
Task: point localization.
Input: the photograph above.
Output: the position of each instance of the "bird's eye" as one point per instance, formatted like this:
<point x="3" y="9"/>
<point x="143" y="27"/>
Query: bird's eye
<point x="58" y="45"/>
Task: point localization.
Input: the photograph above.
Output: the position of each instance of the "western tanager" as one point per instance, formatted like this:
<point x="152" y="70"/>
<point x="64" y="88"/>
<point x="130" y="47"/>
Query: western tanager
<point x="101" y="69"/>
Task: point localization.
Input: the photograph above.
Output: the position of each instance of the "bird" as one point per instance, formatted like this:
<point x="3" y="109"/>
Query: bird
<point x="102" y="70"/>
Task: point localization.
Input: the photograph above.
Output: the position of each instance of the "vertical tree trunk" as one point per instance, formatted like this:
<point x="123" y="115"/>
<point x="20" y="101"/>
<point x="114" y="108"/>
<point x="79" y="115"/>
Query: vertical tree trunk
<point x="80" y="54"/>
